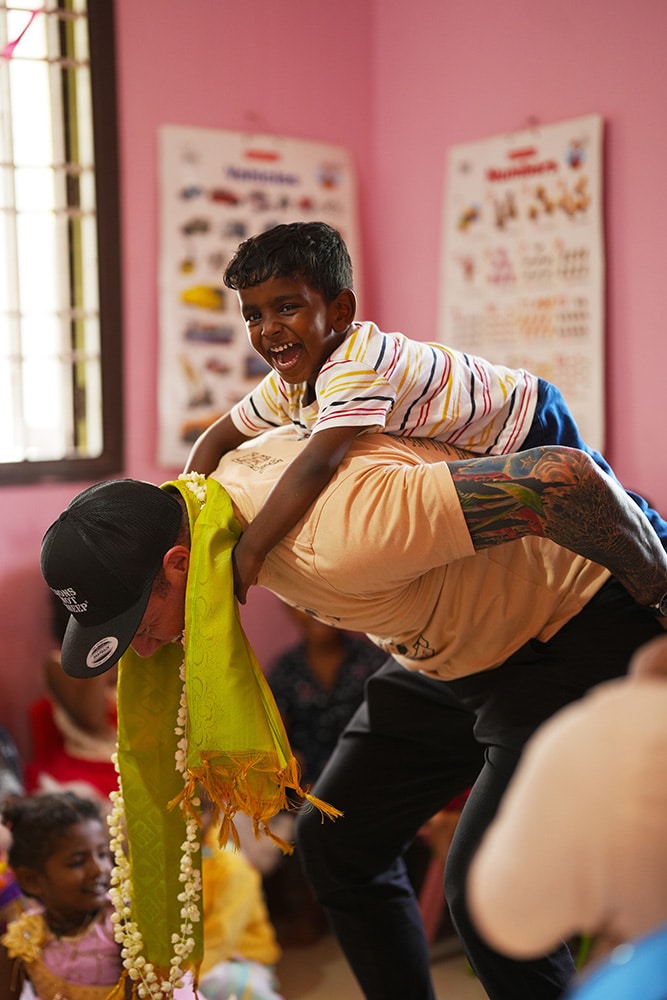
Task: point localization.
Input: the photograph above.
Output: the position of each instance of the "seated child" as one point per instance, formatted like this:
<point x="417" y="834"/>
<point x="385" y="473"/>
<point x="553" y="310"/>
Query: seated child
<point x="63" y="946"/>
<point x="75" y="728"/>
<point x="240" y="947"/>
<point x="318" y="684"/>
<point x="334" y="378"/>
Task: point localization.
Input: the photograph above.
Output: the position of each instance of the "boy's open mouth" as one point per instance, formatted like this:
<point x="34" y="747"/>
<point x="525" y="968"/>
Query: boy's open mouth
<point x="285" y="356"/>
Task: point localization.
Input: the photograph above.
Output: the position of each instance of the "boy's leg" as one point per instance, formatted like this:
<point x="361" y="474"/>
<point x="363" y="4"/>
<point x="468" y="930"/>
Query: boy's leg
<point x="555" y="424"/>
<point x="408" y="752"/>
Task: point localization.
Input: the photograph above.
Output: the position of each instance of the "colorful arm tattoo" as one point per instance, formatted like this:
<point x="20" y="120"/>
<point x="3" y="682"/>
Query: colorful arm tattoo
<point x="561" y="494"/>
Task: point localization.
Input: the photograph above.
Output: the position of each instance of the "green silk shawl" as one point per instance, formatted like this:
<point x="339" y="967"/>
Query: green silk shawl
<point x="237" y="747"/>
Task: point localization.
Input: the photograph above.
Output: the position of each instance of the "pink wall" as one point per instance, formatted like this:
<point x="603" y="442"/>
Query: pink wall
<point x="398" y="82"/>
<point x="294" y="68"/>
<point x="454" y="71"/>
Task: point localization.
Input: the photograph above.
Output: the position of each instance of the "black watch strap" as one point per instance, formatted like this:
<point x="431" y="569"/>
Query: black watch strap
<point x="660" y="608"/>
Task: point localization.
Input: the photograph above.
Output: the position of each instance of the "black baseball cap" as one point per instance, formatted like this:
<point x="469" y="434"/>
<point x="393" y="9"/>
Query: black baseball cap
<point x="100" y="558"/>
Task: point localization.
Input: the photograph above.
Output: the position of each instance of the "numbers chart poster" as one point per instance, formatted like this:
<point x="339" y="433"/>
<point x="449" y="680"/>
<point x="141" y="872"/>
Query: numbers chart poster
<point x="216" y="189"/>
<point x="523" y="258"/>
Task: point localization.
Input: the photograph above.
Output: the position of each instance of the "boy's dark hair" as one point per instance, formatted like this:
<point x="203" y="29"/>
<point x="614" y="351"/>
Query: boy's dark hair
<point x="37" y="821"/>
<point x="313" y="251"/>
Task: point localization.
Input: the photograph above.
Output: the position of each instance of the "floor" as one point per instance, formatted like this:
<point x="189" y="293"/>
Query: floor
<point x="319" y="972"/>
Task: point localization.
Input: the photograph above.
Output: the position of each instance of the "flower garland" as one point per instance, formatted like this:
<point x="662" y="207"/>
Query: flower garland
<point x="126" y="931"/>
<point x="196" y="483"/>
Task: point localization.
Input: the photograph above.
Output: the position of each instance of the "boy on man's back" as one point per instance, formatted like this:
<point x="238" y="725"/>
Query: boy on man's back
<point x="334" y="378"/>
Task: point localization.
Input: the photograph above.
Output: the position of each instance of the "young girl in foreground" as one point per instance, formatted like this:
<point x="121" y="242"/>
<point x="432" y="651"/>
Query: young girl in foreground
<point x="64" y="945"/>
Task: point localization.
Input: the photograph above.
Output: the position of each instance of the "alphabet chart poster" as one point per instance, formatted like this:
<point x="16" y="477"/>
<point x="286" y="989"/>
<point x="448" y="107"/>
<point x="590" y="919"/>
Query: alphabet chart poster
<point x="216" y="189"/>
<point x="522" y="268"/>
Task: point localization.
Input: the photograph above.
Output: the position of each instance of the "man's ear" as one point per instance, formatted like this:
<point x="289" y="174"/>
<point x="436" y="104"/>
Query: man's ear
<point x="176" y="561"/>
<point x="344" y="308"/>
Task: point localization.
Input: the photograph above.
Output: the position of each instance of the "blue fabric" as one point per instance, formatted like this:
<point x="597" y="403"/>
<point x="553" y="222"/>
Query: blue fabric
<point x="633" y="971"/>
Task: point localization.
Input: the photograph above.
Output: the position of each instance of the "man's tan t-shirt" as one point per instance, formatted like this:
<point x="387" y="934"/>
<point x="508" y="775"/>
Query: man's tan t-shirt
<point x="385" y="550"/>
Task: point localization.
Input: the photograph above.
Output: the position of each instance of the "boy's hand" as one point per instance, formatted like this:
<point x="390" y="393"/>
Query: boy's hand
<point x="289" y="500"/>
<point x="246" y="565"/>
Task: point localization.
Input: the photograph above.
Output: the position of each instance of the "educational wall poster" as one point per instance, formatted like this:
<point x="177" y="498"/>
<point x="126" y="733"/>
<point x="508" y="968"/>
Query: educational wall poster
<point x="216" y="189"/>
<point x="523" y="258"/>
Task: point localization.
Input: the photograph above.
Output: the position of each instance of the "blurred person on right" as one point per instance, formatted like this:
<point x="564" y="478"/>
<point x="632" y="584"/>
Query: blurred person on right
<point x="579" y="844"/>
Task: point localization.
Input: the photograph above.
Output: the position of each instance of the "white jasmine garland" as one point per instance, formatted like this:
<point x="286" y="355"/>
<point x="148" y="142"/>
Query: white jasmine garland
<point x="196" y="483"/>
<point x="126" y="931"/>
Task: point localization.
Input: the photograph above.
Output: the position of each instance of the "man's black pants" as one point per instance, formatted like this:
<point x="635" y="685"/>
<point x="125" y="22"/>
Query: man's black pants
<point x="412" y="747"/>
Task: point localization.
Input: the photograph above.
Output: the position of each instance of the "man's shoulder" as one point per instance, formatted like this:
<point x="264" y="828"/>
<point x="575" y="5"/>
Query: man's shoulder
<point x="281" y="446"/>
<point x="412" y="450"/>
<point x="260" y="454"/>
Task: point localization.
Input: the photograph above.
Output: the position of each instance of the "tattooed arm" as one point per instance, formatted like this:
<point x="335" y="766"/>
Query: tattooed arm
<point x="562" y="494"/>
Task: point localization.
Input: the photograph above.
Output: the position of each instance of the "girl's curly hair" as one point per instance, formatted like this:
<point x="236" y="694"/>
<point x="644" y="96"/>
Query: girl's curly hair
<point x="38" y="821"/>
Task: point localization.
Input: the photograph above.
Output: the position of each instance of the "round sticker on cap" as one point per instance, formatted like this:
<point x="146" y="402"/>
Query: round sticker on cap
<point x="101" y="652"/>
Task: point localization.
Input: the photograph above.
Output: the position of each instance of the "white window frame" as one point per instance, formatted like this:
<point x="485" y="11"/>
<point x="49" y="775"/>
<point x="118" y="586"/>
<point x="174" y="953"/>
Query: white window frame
<point x="83" y="388"/>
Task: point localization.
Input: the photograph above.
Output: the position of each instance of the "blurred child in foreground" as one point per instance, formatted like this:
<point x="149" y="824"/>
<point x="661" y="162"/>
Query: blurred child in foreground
<point x="240" y="947"/>
<point x="583" y="824"/>
<point x="63" y="945"/>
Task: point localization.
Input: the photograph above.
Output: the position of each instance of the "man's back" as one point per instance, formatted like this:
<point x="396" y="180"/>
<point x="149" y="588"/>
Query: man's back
<point x="385" y="550"/>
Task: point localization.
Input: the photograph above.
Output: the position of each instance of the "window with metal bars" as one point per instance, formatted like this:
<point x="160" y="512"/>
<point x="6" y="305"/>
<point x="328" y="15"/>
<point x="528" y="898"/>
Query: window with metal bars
<point x="60" y="304"/>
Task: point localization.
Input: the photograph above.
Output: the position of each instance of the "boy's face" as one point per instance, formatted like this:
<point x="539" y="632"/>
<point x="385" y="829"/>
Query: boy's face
<point x="292" y="327"/>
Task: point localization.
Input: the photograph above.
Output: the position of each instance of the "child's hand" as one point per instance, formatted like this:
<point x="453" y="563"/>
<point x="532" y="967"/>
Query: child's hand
<point x="247" y="565"/>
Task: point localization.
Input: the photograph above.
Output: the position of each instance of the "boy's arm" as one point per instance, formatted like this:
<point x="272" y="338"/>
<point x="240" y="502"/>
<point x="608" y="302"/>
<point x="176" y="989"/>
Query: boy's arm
<point x="562" y="494"/>
<point x="221" y="437"/>
<point x="288" y="501"/>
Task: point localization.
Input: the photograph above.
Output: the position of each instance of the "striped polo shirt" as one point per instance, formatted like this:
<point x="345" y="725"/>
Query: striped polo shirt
<point x="387" y="382"/>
